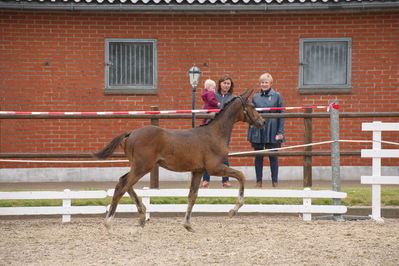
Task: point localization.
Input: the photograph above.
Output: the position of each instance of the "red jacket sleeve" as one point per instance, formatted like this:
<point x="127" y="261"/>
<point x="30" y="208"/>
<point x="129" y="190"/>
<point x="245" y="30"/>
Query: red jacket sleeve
<point x="212" y="99"/>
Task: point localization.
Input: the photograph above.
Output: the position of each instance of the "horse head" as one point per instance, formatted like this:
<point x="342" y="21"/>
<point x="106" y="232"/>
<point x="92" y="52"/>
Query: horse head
<point x="250" y="115"/>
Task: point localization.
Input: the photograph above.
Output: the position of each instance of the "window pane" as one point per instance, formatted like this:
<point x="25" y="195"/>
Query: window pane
<point x="131" y="64"/>
<point x="326" y="63"/>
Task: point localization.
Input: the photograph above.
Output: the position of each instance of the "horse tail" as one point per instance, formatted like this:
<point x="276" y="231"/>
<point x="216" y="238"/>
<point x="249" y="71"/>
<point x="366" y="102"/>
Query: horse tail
<point x="111" y="147"/>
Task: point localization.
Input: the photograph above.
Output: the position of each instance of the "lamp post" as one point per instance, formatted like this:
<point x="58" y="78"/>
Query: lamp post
<point x="194" y="73"/>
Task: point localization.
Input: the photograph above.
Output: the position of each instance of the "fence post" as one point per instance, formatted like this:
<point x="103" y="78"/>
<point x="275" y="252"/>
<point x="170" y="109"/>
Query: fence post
<point x="154" y="175"/>
<point x="335" y="156"/>
<point x="376" y="171"/>
<point x="307" y="159"/>
<point x="147" y="202"/>
<point x="66" y="204"/>
<point x="307" y="202"/>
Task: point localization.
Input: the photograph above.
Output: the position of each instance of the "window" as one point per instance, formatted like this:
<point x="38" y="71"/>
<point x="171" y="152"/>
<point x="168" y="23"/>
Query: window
<point x="325" y="65"/>
<point x="130" y="66"/>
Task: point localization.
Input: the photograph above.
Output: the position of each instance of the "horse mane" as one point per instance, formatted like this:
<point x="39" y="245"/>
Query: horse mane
<point x="218" y="113"/>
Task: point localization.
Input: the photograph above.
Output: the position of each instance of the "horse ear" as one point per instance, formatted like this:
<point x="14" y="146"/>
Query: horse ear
<point x="247" y="94"/>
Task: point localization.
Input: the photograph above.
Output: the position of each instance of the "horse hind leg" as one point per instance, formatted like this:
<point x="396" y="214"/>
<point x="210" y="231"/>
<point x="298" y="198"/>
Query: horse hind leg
<point x="125" y="184"/>
<point x="192" y="196"/>
<point x="141" y="209"/>
<point x="115" y="199"/>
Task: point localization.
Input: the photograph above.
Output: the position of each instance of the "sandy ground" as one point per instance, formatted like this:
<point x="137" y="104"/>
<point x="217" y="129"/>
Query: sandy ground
<point x="218" y="240"/>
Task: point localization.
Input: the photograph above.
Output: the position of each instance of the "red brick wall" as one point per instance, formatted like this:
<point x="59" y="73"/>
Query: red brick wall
<point x="243" y="46"/>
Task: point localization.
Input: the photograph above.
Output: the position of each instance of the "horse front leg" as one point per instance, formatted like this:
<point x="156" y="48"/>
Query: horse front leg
<point x="224" y="170"/>
<point x="192" y="197"/>
<point x="240" y="199"/>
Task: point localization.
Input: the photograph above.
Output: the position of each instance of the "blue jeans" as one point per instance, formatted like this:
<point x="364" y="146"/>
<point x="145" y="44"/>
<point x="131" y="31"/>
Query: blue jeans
<point x="272" y="159"/>
<point x="206" y="177"/>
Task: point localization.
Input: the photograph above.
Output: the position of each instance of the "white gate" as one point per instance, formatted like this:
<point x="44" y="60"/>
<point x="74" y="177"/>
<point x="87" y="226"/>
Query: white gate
<point x="376" y="179"/>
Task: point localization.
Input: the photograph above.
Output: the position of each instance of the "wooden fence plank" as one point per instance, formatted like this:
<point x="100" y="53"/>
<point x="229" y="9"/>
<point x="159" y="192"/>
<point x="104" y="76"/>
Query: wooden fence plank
<point x="382" y="180"/>
<point x="67" y="210"/>
<point x="378" y="126"/>
<point x="389" y="153"/>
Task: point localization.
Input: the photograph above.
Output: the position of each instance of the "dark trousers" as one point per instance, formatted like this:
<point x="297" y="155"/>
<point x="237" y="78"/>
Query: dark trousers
<point x="272" y="159"/>
<point x="206" y="176"/>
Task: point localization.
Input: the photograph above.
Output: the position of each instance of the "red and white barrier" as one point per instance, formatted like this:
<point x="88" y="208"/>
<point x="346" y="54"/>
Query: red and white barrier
<point x="333" y="105"/>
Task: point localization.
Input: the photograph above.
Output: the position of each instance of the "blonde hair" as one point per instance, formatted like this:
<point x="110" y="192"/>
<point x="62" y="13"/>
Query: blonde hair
<point x="209" y="83"/>
<point x="266" y="76"/>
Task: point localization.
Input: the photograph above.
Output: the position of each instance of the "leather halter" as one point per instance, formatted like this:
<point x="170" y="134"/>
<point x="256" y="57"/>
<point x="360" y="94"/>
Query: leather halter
<point x="244" y="106"/>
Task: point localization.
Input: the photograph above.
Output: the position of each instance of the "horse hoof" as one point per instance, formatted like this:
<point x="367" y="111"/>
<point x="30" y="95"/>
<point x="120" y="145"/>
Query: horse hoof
<point x="142" y="222"/>
<point x="189" y="228"/>
<point x="232" y="213"/>
<point x="108" y="226"/>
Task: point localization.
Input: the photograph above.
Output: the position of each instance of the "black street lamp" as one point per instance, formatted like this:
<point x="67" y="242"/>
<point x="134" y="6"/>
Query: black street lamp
<point x="194" y="73"/>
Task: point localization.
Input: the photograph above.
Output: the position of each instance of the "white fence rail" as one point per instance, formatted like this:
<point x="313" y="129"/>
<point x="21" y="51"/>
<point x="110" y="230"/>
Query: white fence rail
<point x="376" y="179"/>
<point x="66" y="210"/>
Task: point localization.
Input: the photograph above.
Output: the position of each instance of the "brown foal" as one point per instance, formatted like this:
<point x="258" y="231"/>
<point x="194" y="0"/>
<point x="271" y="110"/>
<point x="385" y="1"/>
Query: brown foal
<point x="193" y="150"/>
